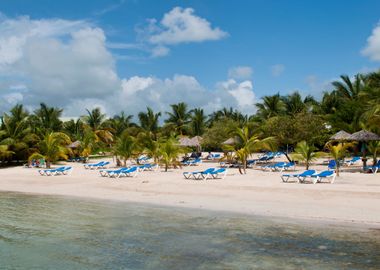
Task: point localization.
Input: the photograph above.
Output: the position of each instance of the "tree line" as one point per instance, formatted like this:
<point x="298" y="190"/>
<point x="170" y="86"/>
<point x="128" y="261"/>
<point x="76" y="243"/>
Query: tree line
<point x="281" y="121"/>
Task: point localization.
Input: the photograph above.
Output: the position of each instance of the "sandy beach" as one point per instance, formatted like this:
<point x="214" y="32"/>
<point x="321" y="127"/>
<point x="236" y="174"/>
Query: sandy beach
<point x="354" y="198"/>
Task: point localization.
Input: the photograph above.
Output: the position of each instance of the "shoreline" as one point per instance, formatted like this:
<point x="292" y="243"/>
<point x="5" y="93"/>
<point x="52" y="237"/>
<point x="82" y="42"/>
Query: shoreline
<point x="354" y="200"/>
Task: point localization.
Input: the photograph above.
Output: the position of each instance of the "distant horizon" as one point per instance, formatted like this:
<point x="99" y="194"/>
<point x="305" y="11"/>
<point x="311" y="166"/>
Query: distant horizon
<point x="127" y="55"/>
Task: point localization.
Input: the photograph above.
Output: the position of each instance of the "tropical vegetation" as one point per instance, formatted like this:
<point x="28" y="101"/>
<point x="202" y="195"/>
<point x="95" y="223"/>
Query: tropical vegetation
<point x="290" y="122"/>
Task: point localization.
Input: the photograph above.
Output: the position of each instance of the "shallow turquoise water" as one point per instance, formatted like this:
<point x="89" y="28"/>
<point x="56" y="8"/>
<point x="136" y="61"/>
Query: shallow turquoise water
<point x="45" y="232"/>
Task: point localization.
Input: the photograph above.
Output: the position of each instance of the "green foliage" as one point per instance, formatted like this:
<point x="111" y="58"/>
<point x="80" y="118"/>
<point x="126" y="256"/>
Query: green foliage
<point x="126" y="147"/>
<point x="169" y="150"/>
<point x="306" y="153"/>
<point x="53" y="146"/>
<point x="220" y="131"/>
<point x="338" y="152"/>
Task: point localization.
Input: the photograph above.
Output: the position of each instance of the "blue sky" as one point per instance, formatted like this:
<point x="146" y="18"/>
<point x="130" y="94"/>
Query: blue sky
<point x="263" y="47"/>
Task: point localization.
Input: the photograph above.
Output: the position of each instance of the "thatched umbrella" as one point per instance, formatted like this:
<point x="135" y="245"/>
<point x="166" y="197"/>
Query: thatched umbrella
<point x="230" y="141"/>
<point x="364" y="136"/>
<point x="74" y="145"/>
<point x="197" y="141"/>
<point x="340" y="136"/>
<point x="185" y="141"/>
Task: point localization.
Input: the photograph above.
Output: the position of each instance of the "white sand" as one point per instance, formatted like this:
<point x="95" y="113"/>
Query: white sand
<point x="354" y="197"/>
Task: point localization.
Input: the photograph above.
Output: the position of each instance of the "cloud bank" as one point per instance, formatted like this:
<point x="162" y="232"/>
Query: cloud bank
<point x="68" y="64"/>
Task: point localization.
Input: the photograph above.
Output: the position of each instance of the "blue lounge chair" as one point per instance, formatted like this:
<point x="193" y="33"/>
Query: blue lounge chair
<point x="102" y="165"/>
<point x="131" y="172"/>
<point x="331" y="165"/>
<point x="108" y="173"/>
<point x="217" y="174"/>
<point x="58" y="171"/>
<point x="373" y="169"/>
<point x="319" y="177"/>
<point x="273" y="166"/>
<point x="285" y="177"/>
<point x="352" y="161"/>
<point x="192" y="162"/>
<point x="90" y="165"/>
<point x="198" y="174"/>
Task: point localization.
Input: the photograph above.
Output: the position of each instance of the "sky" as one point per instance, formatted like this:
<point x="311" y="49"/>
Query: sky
<point x="125" y="55"/>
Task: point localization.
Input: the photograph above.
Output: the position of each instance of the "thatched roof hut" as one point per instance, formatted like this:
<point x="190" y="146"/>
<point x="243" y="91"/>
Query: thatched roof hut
<point x="74" y="145"/>
<point x="364" y="136"/>
<point x="340" y="136"/>
<point x="230" y="141"/>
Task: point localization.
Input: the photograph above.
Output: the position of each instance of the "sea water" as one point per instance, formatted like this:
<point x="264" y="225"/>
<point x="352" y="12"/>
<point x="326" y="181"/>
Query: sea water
<point x="46" y="232"/>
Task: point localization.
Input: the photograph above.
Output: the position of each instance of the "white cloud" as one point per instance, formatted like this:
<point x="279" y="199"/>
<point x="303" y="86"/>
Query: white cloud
<point x="240" y="72"/>
<point x="372" y="48"/>
<point x="67" y="64"/>
<point x="277" y="69"/>
<point x="243" y="94"/>
<point x="181" y="25"/>
<point x="160" y="51"/>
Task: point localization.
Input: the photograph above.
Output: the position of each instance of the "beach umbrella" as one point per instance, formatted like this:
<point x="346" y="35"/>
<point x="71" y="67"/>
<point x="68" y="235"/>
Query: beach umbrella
<point x="340" y="136"/>
<point x="230" y="141"/>
<point x="364" y="136"/>
<point x="185" y="141"/>
<point x="197" y="140"/>
<point x="74" y="145"/>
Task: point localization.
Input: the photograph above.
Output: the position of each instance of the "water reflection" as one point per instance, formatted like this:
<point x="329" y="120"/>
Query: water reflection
<point x="44" y="232"/>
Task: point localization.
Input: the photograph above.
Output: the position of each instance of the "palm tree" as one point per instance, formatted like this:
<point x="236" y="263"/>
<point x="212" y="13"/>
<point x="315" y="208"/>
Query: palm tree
<point x="46" y="119"/>
<point x="94" y="120"/>
<point x="306" y="153"/>
<point x="350" y="89"/>
<point x="169" y="151"/>
<point x="16" y="133"/>
<point x="338" y="152"/>
<point x="271" y="106"/>
<point x="5" y="153"/>
<point x="179" y="117"/>
<point x="149" y="121"/>
<point x="149" y="146"/>
<point x="52" y="147"/>
<point x="246" y="143"/>
<point x="198" y="121"/>
<point x="119" y="123"/>
<point x="293" y="103"/>
<point x="374" y="148"/>
<point x="125" y="147"/>
<point x="75" y="129"/>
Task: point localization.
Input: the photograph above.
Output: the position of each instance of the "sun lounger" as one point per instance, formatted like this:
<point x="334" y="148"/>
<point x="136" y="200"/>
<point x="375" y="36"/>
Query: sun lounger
<point x="58" y="171"/>
<point x="297" y="177"/>
<point x="192" y="162"/>
<point x="352" y="161"/>
<point x="89" y="166"/>
<point x="331" y="165"/>
<point x="108" y="173"/>
<point x="102" y="165"/>
<point x="217" y="174"/>
<point x="373" y="169"/>
<point x="319" y="177"/>
<point x="131" y="172"/>
<point x="273" y="167"/>
<point x="198" y="174"/>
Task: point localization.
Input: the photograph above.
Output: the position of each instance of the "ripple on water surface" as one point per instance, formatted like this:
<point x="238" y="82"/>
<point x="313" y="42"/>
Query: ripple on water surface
<point x="45" y="232"/>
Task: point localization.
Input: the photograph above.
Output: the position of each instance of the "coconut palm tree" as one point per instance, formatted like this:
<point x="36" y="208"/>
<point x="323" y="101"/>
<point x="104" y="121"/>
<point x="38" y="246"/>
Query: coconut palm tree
<point x="5" y="153"/>
<point x="305" y="153"/>
<point x="52" y="147"/>
<point x="198" y="122"/>
<point x="125" y="147"/>
<point x="149" y="121"/>
<point x="338" y="152"/>
<point x="94" y="121"/>
<point x="350" y="89"/>
<point x="169" y="150"/>
<point x="179" y="117"/>
<point x="374" y="149"/>
<point x="119" y="123"/>
<point x="149" y="146"/>
<point x="46" y="119"/>
<point x="293" y="103"/>
<point x="16" y="133"/>
<point x="246" y="142"/>
<point x="271" y="106"/>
